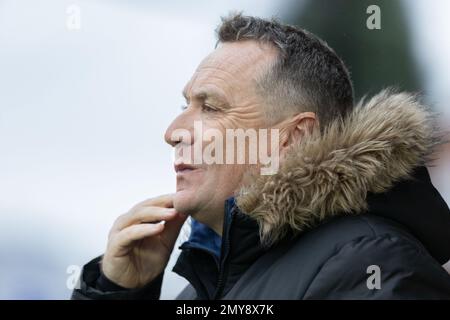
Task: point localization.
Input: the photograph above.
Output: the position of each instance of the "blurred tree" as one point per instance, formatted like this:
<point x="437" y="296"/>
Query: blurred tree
<point x="376" y="58"/>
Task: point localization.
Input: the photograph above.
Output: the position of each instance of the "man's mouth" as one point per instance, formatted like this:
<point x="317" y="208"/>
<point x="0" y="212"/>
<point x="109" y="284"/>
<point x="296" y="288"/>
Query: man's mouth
<point x="184" y="168"/>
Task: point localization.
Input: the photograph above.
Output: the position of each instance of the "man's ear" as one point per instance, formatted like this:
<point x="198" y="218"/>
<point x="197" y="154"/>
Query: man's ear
<point x="295" y="128"/>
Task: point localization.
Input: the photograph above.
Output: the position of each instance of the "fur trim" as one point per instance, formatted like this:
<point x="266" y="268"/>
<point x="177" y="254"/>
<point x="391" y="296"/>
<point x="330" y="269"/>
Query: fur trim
<point x="330" y="173"/>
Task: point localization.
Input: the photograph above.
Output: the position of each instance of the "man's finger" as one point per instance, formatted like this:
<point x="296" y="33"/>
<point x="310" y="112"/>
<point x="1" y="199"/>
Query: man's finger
<point x="133" y="233"/>
<point x="165" y="200"/>
<point x="144" y="214"/>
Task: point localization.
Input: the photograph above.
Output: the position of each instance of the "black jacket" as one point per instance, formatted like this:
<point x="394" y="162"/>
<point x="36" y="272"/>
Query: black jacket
<point x="352" y="214"/>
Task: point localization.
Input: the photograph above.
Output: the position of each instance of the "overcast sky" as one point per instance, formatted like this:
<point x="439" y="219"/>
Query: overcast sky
<point x="83" y="113"/>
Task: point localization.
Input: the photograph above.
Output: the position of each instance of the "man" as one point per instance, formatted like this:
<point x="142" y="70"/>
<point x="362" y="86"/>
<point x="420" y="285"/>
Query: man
<point x="350" y="213"/>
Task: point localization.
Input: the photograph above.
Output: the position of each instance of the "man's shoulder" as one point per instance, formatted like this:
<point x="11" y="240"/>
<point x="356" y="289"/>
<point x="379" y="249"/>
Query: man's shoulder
<point x="330" y="237"/>
<point x="350" y="227"/>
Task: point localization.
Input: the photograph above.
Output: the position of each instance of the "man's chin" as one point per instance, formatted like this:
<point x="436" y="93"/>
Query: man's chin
<point x="183" y="201"/>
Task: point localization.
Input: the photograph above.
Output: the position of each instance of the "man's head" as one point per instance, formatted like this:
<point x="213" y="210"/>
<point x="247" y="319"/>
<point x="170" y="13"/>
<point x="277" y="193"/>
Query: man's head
<point x="262" y="74"/>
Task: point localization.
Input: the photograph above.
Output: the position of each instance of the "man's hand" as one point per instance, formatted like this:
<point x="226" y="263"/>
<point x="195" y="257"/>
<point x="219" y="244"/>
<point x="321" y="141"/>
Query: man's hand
<point x="140" y="244"/>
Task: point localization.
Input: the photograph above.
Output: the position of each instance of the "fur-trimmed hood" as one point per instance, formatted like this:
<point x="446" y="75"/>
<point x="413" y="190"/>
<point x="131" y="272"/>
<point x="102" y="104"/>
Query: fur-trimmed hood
<point x="331" y="173"/>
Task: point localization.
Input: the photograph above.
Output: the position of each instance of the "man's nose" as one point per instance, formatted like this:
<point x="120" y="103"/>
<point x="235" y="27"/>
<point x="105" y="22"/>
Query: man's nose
<point x="179" y="129"/>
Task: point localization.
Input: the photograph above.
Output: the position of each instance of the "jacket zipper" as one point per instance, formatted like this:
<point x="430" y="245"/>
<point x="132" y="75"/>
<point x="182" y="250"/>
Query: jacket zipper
<point x="225" y="249"/>
<point x="221" y="281"/>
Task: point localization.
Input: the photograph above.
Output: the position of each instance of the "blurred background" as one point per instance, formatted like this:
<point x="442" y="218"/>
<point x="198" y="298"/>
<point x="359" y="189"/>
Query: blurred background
<point x="87" y="89"/>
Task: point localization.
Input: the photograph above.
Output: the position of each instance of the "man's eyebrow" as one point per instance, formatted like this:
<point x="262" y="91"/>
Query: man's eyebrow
<point x="206" y="95"/>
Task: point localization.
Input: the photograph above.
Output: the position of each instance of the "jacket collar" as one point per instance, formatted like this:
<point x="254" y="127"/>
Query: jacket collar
<point x="212" y="264"/>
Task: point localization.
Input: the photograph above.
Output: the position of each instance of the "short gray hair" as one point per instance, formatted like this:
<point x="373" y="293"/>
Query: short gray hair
<point x="307" y="76"/>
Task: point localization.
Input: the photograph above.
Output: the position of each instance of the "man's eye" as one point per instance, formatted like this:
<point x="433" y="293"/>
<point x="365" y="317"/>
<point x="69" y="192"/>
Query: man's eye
<point x="208" y="108"/>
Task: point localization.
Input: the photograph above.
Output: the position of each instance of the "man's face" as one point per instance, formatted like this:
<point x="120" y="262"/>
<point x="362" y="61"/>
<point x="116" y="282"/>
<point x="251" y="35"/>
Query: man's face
<point x="221" y="95"/>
